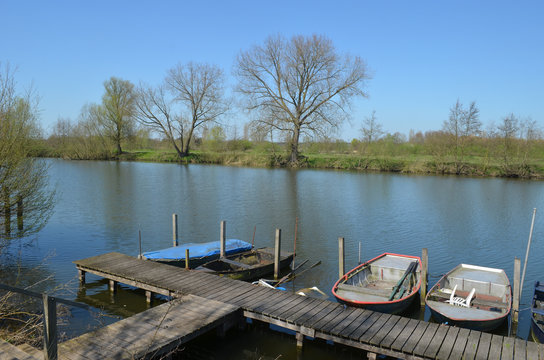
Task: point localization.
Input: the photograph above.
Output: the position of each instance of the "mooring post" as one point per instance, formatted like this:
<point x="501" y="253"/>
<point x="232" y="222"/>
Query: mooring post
<point x="148" y="297"/>
<point x="300" y="339"/>
<point x="341" y="258"/>
<point x="187" y="258"/>
<point x="516" y="291"/>
<point x="81" y="276"/>
<point x="223" y="239"/>
<point x="424" y="274"/>
<point x="113" y="286"/>
<point x="277" y="248"/>
<point x="19" y="213"/>
<point x="175" y="229"/>
<point x="49" y="327"/>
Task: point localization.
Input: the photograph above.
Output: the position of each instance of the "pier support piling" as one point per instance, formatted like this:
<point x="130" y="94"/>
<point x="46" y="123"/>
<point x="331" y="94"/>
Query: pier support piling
<point x="148" y="297"/>
<point x="81" y="274"/>
<point x="113" y="286"/>
<point x="49" y="327"/>
<point x="223" y="236"/>
<point x="300" y="340"/>
<point x="341" y="258"/>
<point x="277" y="249"/>
<point x="187" y="258"/>
<point x="175" y="229"/>
<point x="424" y="274"/>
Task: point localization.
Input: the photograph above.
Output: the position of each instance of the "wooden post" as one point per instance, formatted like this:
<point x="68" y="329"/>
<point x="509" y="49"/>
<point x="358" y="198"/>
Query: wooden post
<point x="300" y="339"/>
<point x="277" y="249"/>
<point x="113" y="286"/>
<point x="341" y="265"/>
<point x="175" y="229"/>
<point x="81" y="276"/>
<point x="424" y="274"/>
<point x="223" y="239"/>
<point x="140" y="244"/>
<point x="49" y="327"/>
<point x="187" y="258"/>
<point x="515" y="300"/>
<point x="148" y="297"/>
<point x="19" y="213"/>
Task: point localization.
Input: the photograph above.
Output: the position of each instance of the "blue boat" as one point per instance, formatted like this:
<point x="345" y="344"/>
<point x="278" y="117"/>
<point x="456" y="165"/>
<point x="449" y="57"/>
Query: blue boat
<point x="199" y="253"/>
<point x="537" y="313"/>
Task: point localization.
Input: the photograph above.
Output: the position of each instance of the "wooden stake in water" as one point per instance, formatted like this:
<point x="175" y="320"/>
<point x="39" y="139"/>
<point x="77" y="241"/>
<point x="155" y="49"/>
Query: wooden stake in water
<point x="140" y="243"/>
<point x="175" y="229"/>
<point x="187" y="258"/>
<point x="341" y="267"/>
<point x="253" y="239"/>
<point x="424" y="272"/>
<point x="516" y="291"/>
<point x="527" y="252"/>
<point x="49" y="327"/>
<point x="277" y="249"/>
<point x="222" y="238"/>
<point x="359" y="263"/>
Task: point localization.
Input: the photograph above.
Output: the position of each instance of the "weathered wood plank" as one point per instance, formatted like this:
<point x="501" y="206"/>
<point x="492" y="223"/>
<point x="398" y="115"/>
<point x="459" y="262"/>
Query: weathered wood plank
<point x="361" y="318"/>
<point x="375" y="328"/>
<point x="310" y="319"/>
<point x="414" y="337"/>
<point x="308" y="314"/>
<point x="520" y="349"/>
<point x="363" y="328"/>
<point x="436" y="343"/>
<point x="447" y="344"/>
<point x="346" y="322"/>
<point x="384" y="331"/>
<point x="425" y="340"/>
<point x="394" y="333"/>
<point x="507" y="348"/>
<point x="532" y="351"/>
<point x="496" y="347"/>
<point x="472" y="345"/>
<point x="348" y="313"/>
<point x="484" y="346"/>
<point x="460" y="344"/>
<point x="404" y="335"/>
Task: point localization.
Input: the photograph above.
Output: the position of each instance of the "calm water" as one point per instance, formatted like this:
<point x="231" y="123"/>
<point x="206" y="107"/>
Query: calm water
<point x="101" y="206"/>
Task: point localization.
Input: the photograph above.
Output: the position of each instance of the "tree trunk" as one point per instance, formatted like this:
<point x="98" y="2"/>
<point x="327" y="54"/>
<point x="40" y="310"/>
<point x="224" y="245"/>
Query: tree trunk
<point x="7" y="212"/>
<point x="293" y="159"/>
<point x="119" y="150"/>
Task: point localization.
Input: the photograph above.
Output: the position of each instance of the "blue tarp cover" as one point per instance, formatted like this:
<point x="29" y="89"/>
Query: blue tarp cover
<point x="198" y="250"/>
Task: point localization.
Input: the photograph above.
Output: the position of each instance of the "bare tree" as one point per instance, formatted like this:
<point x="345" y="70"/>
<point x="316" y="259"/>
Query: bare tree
<point x="25" y="195"/>
<point x="461" y="126"/>
<point x="371" y="130"/>
<point x="117" y="110"/>
<point x="299" y="86"/>
<point x="199" y="89"/>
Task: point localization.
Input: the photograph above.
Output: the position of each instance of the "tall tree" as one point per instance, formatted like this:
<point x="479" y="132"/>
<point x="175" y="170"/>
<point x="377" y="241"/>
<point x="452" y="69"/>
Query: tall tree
<point x="117" y="111"/>
<point x="301" y="85"/>
<point x="25" y="196"/>
<point x="199" y="90"/>
<point x="371" y="130"/>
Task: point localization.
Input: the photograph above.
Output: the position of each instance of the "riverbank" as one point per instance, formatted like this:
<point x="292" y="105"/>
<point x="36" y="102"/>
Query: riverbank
<point x="414" y="164"/>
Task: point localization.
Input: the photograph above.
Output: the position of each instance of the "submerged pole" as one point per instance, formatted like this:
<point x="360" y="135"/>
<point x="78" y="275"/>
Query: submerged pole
<point x="277" y="249"/>
<point x="222" y="238"/>
<point x="341" y="266"/>
<point x="175" y="229"/>
<point x="527" y="252"/>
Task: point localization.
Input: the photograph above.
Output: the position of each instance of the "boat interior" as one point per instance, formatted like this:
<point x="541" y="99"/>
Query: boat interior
<point x="375" y="282"/>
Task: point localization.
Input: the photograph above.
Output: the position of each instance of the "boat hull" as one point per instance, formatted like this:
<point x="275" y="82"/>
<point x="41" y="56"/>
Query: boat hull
<point x="370" y="285"/>
<point x="537" y="317"/>
<point x="470" y="296"/>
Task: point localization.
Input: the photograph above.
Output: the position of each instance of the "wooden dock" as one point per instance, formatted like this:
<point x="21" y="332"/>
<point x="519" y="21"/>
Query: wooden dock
<point x="373" y="332"/>
<point x="154" y="332"/>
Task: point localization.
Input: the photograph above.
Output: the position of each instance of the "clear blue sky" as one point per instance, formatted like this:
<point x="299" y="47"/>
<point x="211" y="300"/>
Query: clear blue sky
<point x="423" y="54"/>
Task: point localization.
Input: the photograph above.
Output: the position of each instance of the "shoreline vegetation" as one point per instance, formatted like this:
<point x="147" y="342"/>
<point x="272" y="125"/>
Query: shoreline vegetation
<point x="404" y="158"/>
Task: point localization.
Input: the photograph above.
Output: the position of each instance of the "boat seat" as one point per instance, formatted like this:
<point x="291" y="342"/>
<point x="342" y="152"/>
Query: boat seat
<point x="364" y="291"/>
<point x="459" y="301"/>
<point x="236" y="263"/>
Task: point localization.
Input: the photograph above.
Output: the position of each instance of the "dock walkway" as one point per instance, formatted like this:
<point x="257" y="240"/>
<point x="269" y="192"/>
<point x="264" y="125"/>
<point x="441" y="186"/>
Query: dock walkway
<point x="374" y="332"/>
<point x="152" y="333"/>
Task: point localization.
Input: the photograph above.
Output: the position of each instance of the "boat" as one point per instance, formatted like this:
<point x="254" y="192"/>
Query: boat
<point x="388" y="283"/>
<point x="537" y="313"/>
<point x="470" y="296"/>
<point x="199" y="253"/>
<point x="248" y="265"/>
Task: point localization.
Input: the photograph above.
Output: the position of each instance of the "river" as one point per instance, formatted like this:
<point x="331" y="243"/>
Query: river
<point x="102" y="205"/>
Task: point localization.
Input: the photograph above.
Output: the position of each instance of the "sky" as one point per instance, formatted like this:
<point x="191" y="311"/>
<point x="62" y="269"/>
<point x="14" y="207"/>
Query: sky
<point x="422" y="55"/>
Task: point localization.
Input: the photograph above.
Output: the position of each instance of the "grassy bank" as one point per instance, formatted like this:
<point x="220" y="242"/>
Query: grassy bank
<point x="406" y="164"/>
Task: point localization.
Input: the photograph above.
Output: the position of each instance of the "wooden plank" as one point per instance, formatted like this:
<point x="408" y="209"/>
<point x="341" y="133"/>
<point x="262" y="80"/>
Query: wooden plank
<point x="460" y="344"/>
<point x="507" y="348"/>
<point x="361" y="318"/>
<point x="401" y="339"/>
<point x="520" y="349"/>
<point x="495" y="347"/>
<point x="447" y="344"/>
<point x="375" y="328"/>
<point x="426" y="339"/>
<point x="363" y="328"/>
<point x="267" y="293"/>
<point x="321" y="305"/>
<point x="319" y="323"/>
<point x="395" y="331"/>
<point x="483" y="346"/>
<point x="437" y="341"/>
<point x="309" y="306"/>
<point x="310" y="319"/>
<point x="532" y="351"/>
<point x="347" y="321"/>
<point x="414" y="337"/>
<point x="385" y="330"/>
<point x="296" y="301"/>
<point x="472" y="345"/>
<point x="9" y="351"/>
